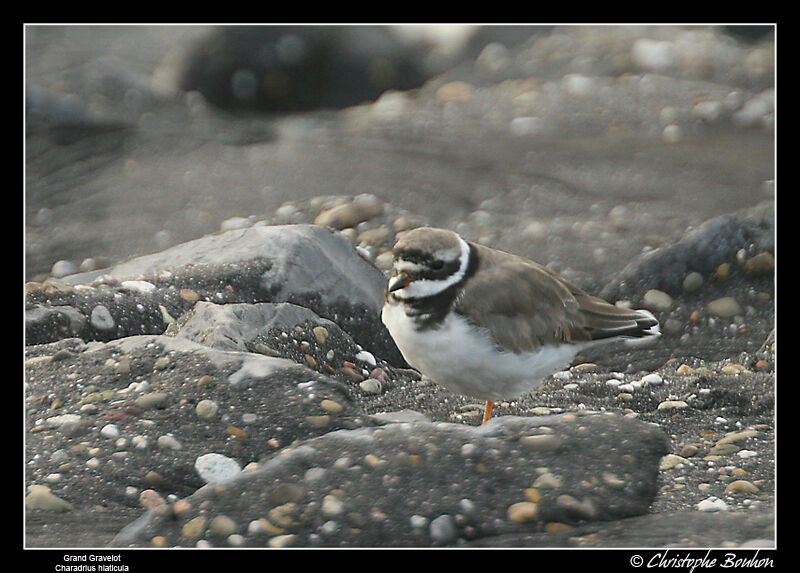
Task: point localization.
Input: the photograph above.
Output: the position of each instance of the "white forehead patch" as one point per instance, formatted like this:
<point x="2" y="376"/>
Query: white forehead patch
<point x="407" y="266"/>
<point x="422" y="288"/>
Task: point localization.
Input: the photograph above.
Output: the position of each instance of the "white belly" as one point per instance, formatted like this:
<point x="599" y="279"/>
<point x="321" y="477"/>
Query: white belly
<point x="463" y="359"/>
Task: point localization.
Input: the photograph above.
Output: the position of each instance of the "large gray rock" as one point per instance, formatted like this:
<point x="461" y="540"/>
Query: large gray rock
<point x="701" y="249"/>
<point x="433" y="484"/>
<point x="307" y="265"/>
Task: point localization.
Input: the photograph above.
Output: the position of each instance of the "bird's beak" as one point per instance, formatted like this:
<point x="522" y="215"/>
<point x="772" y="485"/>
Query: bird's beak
<point x="401" y="280"/>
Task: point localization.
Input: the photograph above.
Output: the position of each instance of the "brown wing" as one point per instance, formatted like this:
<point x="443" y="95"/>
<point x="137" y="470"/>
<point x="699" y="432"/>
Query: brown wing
<point x="535" y="306"/>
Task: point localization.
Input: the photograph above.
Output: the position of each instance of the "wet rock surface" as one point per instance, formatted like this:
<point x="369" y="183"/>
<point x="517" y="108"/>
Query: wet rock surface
<point x="182" y="301"/>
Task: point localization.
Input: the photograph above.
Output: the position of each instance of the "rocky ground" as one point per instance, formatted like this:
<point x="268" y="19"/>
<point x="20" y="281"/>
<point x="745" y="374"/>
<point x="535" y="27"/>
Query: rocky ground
<point x="235" y="388"/>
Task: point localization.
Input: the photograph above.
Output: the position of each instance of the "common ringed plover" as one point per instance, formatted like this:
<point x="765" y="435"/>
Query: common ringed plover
<point x="490" y="324"/>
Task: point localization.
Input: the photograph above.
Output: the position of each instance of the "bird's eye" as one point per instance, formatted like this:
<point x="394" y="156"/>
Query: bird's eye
<point x="436" y="265"/>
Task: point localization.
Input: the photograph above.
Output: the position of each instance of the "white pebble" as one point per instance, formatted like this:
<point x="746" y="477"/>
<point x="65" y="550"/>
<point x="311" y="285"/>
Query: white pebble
<point x="443" y="529"/>
<point x="712" y="504"/>
<point x="143" y="287"/>
<point x="746" y="454"/>
<point x="652" y="379"/>
<point x="110" y="431"/>
<point x="332" y="506"/>
<point x="58" y="421"/>
<point x="653" y="55"/>
<point x="101" y="318"/>
<point x="672" y="134"/>
<point x="370" y="386"/>
<point x="525" y="125"/>
<point x="468" y="450"/>
<point x="314" y="474"/>
<point x="367" y="357"/>
<point x="255" y="527"/>
<point x="167" y="442"/>
<point x="418" y="522"/>
<point x="216" y="468"/>
<point x="579" y="85"/>
<point x="139" y="442"/>
<point x="63" y="268"/>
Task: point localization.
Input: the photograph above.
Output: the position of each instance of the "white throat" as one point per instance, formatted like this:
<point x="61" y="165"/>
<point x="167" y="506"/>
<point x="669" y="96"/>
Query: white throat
<point x="422" y="288"/>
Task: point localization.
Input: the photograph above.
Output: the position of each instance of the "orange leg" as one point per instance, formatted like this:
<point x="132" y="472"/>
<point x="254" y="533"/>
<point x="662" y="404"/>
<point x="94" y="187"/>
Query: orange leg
<point x="487" y="412"/>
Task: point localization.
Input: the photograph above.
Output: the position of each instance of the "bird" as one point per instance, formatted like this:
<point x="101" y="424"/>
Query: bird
<point x="490" y="324"/>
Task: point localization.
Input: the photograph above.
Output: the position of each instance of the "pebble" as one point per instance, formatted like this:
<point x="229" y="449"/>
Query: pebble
<point x="723" y="271"/>
<point x="370" y="386"/>
<point x="760" y="265"/>
<point x="670" y="461"/>
<point x="331" y="406"/>
<point x="222" y="526"/>
<point x="579" y="85"/>
<point x="547" y="480"/>
<point x="40" y="497"/>
<point x="672" y="405"/>
<point x="724" y="307"/>
<point x="653" y="55"/>
<point x="101" y="318"/>
<point x="321" y="334"/>
<point x="418" y="521"/>
<point x="150" y="498"/>
<point x="63" y="268"/>
<point x="443" y="529"/>
<point x="63" y="420"/>
<point x="367" y="357"/>
<point x="143" y="287"/>
<point x="351" y="373"/>
<point x="152" y="400"/>
<point x="523" y="512"/>
<point x="723" y="449"/>
<point x="737" y="436"/>
<point x="454" y="91"/>
<point x="206" y="409"/>
<point x="362" y="207"/>
<point x="188" y="295"/>
<point x="110" y="431"/>
<point x="216" y="468"/>
<point x="712" y="504"/>
<point x="652" y="379"/>
<point x="525" y="125"/>
<point x="734" y="370"/>
<point x="689" y="450"/>
<point x="318" y="422"/>
<point x="168" y="442"/>
<point x="672" y="134"/>
<point x="657" y="300"/>
<point x="541" y="443"/>
<point x="692" y="282"/>
<point x="741" y="486"/>
<point x="332" y="506"/>
<point x="280" y="541"/>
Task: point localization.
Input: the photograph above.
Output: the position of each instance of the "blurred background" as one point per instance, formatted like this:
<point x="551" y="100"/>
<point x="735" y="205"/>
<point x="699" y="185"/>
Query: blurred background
<point x="578" y="146"/>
